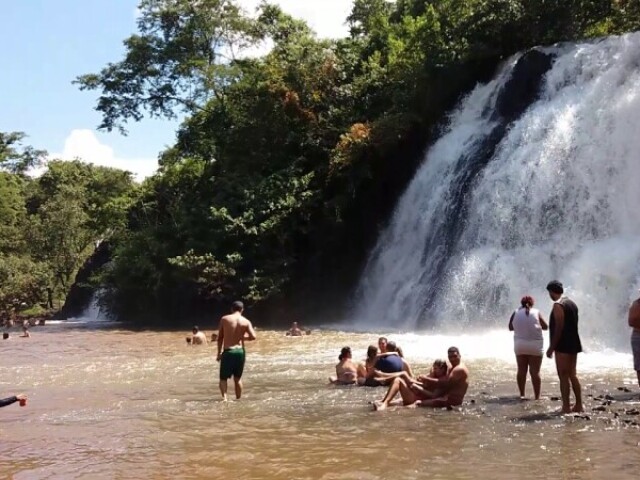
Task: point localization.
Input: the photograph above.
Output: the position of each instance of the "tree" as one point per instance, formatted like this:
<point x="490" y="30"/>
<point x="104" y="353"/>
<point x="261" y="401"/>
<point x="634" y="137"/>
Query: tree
<point x="185" y="54"/>
<point x="16" y="158"/>
<point x="12" y="212"/>
<point x="22" y="281"/>
<point x="287" y="164"/>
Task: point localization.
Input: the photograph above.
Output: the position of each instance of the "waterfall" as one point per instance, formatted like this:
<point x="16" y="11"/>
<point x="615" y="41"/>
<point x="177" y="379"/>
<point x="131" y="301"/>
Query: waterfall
<point x="518" y="191"/>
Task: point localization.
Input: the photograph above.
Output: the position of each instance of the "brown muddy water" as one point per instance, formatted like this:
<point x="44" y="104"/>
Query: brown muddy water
<point x="108" y="403"/>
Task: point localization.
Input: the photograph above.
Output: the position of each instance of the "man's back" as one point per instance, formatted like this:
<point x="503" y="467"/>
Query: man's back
<point x="233" y="328"/>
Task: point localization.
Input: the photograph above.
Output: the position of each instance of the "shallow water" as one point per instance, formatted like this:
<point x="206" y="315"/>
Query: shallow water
<point x="112" y="403"/>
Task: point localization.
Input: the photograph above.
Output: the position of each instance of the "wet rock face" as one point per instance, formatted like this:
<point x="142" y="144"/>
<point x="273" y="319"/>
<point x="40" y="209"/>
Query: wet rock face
<point x="523" y="88"/>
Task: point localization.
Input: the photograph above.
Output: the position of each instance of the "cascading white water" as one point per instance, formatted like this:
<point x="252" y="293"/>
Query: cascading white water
<point x="558" y="198"/>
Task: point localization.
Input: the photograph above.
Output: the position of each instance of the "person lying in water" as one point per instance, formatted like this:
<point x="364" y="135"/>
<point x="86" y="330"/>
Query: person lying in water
<point x="446" y="391"/>
<point x="346" y="370"/>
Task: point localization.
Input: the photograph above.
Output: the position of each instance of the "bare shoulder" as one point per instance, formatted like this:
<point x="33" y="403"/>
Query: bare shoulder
<point x="460" y="370"/>
<point x="245" y="321"/>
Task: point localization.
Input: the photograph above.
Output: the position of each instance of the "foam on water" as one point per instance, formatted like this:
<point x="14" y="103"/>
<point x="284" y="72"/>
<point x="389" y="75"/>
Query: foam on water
<point x="495" y="346"/>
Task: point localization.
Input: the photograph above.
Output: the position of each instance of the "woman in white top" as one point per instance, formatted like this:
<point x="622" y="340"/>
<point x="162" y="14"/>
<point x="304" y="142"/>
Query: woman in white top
<point x="527" y="324"/>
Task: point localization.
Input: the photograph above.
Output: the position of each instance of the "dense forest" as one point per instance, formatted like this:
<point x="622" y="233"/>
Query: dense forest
<point x="287" y="164"/>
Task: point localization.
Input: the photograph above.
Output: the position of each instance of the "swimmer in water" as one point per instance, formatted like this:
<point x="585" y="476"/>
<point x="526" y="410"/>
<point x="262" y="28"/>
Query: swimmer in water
<point x="346" y="370"/>
<point x="295" y="330"/>
<point x="197" y="337"/>
<point x="366" y="370"/>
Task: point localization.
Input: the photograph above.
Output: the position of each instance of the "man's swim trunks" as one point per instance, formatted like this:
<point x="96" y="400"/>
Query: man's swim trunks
<point x="231" y="363"/>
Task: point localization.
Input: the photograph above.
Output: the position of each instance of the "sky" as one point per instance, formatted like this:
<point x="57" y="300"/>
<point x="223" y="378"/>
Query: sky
<point x="45" y="44"/>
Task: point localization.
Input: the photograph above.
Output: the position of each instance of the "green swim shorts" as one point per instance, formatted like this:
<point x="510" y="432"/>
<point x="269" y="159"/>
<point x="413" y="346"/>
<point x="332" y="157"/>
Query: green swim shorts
<point x="231" y="363"/>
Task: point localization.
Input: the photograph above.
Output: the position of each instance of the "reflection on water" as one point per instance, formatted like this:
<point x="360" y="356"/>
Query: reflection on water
<point x="121" y="404"/>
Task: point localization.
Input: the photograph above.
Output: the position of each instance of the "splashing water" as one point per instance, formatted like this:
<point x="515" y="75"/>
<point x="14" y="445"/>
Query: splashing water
<point x="556" y="197"/>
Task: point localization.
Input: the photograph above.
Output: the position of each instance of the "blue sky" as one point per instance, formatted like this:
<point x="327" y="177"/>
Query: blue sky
<point x="47" y="43"/>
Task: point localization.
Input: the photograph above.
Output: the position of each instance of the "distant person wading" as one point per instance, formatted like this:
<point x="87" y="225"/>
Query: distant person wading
<point x="233" y="331"/>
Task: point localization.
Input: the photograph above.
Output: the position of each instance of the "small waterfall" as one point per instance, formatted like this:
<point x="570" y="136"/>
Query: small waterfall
<point x="509" y="198"/>
<point x="92" y="313"/>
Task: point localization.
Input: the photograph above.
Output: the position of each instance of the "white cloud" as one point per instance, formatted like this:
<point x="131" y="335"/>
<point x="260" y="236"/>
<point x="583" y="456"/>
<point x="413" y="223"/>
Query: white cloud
<point x="326" y="17"/>
<point x="84" y="145"/>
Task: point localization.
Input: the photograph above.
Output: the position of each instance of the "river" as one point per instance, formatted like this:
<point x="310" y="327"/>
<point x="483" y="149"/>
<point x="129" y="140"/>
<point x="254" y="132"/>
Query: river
<point x="106" y="402"/>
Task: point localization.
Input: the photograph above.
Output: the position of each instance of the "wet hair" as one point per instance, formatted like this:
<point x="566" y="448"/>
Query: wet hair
<point x="440" y="364"/>
<point x="381" y="339"/>
<point x="392" y="347"/>
<point x="555" y="286"/>
<point x="345" y="352"/>
<point x="453" y="349"/>
<point x="399" y="350"/>
<point x="195" y="329"/>
<point x="372" y="351"/>
<point x="237" y="306"/>
<point x="527" y="302"/>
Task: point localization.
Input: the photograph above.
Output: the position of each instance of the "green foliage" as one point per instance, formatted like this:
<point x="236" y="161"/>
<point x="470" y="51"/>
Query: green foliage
<point x="22" y="281"/>
<point x="16" y="158"/>
<point x="183" y="56"/>
<point x="286" y="163"/>
<point x="12" y="212"/>
<point x="50" y="225"/>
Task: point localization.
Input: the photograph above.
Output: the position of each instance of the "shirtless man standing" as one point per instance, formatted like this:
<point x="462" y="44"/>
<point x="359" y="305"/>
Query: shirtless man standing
<point x="234" y="330"/>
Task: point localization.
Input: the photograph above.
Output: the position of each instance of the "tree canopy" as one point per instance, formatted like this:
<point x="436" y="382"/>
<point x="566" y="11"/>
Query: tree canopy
<point x="50" y="225"/>
<point x="287" y="163"/>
